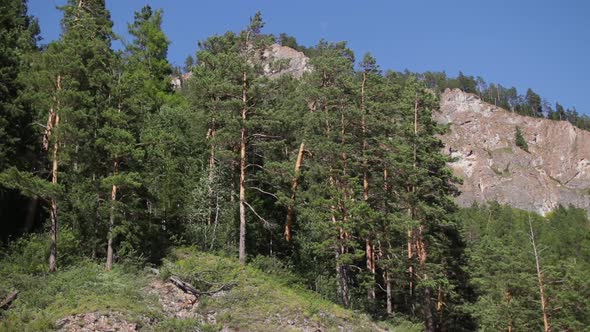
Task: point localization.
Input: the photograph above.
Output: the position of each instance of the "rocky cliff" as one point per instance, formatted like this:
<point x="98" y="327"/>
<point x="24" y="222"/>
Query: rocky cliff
<point x="555" y="170"/>
<point x="293" y="61"/>
<point x="276" y="60"/>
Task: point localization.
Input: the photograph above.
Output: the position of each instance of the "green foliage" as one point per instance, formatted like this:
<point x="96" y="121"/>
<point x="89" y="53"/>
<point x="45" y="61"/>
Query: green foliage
<point x="80" y="288"/>
<point x="258" y="302"/>
<point x="28" y="184"/>
<point x="520" y="141"/>
<point x="503" y="272"/>
<point x="28" y="254"/>
<point x="145" y="168"/>
<point x="18" y="38"/>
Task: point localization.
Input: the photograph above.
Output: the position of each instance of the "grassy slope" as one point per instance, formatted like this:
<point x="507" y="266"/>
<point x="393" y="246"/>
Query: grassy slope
<point x="259" y="301"/>
<point x="85" y="287"/>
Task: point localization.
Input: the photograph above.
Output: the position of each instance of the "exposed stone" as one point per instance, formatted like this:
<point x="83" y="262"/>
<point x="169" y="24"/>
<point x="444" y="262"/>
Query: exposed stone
<point x="293" y="61"/>
<point x="96" y="321"/>
<point x="277" y="60"/>
<point x="555" y="171"/>
<point x="174" y="301"/>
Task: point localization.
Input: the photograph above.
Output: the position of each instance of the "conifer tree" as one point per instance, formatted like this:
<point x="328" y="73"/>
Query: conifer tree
<point x="227" y="85"/>
<point x="18" y="144"/>
<point x="141" y="88"/>
<point x="334" y="168"/>
<point x="78" y="79"/>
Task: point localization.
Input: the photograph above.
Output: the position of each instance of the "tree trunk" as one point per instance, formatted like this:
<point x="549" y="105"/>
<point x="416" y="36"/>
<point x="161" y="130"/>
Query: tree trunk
<point x="365" y="143"/>
<point x="369" y="252"/>
<point x="411" y="231"/>
<point x="411" y="254"/>
<point x="389" y="293"/>
<point x="370" y="255"/>
<point x="429" y="325"/>
<point x="211" y="192"/>
<point x="53" y="213"/>
<point x="295" y="184"/>
<point x="508" y="298"/>
<point x="544" y="301"/>
<point x="109" y="265"/>
<point x="428" y="310"/>
<point x="343" y="279"/>
<point x="341" y="269"/>
<point x="54" y="115"/>
<point x="243" y="165"/>
<point x="440" y="305"/>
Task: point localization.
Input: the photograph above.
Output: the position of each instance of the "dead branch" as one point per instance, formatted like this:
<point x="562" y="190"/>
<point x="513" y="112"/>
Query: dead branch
<point x="254" y="165"/>
<point x="264" y="136"/>
<point x="266" y="224"/>
<point x="8" y="300"/>
<point x="264" y="192"/>
<point x="188" y="288"/>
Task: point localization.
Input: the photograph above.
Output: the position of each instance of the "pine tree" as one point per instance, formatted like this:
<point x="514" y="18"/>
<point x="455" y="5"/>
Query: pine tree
<point x="520" y="141"/>
<point x="75" y="87"/>
<point x="17" y="40"/>
<point x="18" y="146"/>
<point x="142" y="88"/>
<point x="331" y="191"/>
<point x="429" y="189"/>
<point x="227" y="84"/>
<point x="533" y="101"/>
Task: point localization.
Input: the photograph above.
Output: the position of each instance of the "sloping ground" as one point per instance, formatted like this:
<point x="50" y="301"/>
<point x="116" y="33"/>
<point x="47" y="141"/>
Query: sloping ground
<point x="85" y="298"/>
<point x="255" y="301"/>
<point x="555" y="171"/>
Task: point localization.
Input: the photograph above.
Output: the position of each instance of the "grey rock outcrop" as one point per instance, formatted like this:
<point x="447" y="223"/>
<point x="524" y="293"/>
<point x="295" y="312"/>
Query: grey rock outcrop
<point x="555" y="171"/>
<point x="276" y="60"/>
<point x="290" y="61"/>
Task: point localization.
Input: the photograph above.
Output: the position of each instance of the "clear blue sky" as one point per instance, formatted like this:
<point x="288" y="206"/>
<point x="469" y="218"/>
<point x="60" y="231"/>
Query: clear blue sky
<point x="540" y="44"/>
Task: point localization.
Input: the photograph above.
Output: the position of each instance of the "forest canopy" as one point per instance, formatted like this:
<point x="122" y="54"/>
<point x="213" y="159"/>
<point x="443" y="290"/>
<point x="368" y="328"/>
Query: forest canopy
<point x="339" y="175"/>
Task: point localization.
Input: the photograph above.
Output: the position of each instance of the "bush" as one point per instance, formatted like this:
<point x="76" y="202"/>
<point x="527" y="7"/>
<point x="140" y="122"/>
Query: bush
<point x="30" y="253"/>
<point x="275" y="267"/>
<point x="520" y="141"/>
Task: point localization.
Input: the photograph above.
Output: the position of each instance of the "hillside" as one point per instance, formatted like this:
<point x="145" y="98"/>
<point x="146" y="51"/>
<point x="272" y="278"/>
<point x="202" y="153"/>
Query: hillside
<point x="554" y="171"/>
<point x="85" y="298"/>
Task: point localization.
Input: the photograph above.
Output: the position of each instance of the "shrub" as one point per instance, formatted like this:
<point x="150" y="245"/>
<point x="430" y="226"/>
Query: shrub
<point x="520" y="141"/>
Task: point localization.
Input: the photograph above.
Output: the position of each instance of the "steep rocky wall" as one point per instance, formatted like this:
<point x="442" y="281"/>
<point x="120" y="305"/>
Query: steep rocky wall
<point x="556" y="170"/>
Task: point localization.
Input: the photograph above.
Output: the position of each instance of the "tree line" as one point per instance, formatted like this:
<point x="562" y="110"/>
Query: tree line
<point x="338" y="175"/>
<point x="529" y="104"/>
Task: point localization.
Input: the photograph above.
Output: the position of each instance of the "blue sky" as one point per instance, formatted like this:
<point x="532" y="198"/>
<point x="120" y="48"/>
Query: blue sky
<point x="540" y="44"/>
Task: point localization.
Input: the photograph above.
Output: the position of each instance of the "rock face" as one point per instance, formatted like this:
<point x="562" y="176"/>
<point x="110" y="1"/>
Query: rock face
<point x="555" y="171"/>
<point x="292" y="61"/>
<point x="277" y="60"/>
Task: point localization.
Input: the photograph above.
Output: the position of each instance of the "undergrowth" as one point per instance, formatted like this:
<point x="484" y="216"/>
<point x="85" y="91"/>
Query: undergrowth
<point x="263" y="296"/>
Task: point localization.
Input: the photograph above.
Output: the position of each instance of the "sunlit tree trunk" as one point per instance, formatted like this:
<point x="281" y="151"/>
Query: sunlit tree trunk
<point x="428" y="305"/>
<point x="112" y="211"/>
<point x="243" y="165"/>
<point x="369" y="247"/>
<point x="294" y="186"/>
<point x="540" y="280"/>
<point x="52" y="127"/>
<point x="211" y="178"/>
<point x="411" y="231"/>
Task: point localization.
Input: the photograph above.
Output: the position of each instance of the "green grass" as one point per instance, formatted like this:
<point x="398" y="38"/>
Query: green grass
<point x="45" y="298"/>
<point x="272" y="300"/>
<point x="259" y="301"/>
